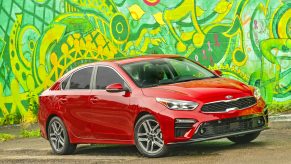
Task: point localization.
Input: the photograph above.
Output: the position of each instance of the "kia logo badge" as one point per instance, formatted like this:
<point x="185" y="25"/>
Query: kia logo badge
<point x="229" y="97"/>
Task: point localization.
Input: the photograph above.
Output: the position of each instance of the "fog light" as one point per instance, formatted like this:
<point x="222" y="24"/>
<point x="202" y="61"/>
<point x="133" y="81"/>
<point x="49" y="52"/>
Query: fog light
<point x="260" y="121"/>
<point x="202" y="131"/>
<point x="188" y="121"/>
<point x="183" y="125"/>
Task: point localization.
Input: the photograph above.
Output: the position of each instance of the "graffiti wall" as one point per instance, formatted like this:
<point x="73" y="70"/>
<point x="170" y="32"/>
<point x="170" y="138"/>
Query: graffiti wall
<point x="40" y="40"/>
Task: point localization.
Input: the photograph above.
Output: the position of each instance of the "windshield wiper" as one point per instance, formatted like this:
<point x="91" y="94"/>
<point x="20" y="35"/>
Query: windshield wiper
<point x="181" y="79"/>
<point x="206" y="77"/>
<point x="187" y="80"/>
<point x="150" y="85"/>
<point x="190" y="79"/>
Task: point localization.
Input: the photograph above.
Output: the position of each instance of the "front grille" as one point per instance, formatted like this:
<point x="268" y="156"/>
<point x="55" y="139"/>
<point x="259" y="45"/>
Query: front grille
<point x="227" y="126"/>
<point x="222" y="106"/>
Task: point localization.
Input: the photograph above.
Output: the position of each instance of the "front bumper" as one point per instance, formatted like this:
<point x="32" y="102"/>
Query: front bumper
<point x="219" y="136"/>
<point x="228" y="127"/>
<point x="183" y="133"/>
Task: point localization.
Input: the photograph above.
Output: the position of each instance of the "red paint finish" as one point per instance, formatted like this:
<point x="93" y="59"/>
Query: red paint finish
<point x="99" y="116"/>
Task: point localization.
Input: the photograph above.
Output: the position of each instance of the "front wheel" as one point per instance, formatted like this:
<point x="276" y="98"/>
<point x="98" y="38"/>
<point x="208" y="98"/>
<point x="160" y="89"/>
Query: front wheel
<point x="148" y="137"/>
<point x="58" y="137"/>
<point x="242" y="139"/>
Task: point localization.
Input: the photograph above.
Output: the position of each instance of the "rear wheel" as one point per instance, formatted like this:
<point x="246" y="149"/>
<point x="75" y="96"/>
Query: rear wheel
<point x="58" y="137"/>
<point x="242" y="139"/>
<point x="148" y="137"/>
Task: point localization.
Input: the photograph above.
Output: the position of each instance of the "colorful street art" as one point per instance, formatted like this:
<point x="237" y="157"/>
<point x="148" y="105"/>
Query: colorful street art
<point x="40" y="40"/>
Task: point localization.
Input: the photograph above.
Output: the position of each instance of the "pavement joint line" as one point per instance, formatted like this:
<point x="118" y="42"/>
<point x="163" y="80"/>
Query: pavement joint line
<point x="20" y="149"/>
<point x="280" y="117"/>
<point x="66" y="157"/>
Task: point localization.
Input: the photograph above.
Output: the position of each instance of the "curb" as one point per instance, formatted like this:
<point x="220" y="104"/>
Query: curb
<point x="282" y="118"/>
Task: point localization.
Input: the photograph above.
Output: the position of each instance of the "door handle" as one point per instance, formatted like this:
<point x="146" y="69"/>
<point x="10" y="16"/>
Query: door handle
<point x="94" y="99"/>
<point x="63" y="100"/>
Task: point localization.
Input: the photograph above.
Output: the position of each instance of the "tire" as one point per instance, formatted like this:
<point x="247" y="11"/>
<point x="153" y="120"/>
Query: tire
<point x="58" y="137"/>
<point x="148" y="137"/>
<point x="243" y="139"/>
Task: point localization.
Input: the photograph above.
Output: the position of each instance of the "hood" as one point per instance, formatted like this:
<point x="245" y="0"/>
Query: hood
<point x="205" y="90"/>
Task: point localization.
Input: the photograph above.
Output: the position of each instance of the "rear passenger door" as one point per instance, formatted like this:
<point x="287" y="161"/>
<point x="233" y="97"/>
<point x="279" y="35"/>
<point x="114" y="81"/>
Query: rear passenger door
<point x="77" y="95"/>
<point x="110" y="110"/>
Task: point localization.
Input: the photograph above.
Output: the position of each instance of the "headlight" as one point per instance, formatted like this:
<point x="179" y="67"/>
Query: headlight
<point x="257" y="93"/>
<point x="177" y="104"/>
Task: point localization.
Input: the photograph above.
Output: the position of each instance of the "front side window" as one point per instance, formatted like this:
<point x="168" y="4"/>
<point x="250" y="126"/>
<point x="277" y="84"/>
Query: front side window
<point x="165" y="71"/>
<point x="107" y="76"/>
<point x="81" y="79"/>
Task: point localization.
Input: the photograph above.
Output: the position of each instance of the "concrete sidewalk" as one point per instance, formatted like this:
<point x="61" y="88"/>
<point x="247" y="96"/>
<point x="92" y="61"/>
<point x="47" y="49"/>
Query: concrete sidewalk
<point x="272" y="146"/>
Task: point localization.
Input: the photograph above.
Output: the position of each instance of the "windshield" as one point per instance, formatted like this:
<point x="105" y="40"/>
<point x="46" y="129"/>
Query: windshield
<point x="156" y="72"/>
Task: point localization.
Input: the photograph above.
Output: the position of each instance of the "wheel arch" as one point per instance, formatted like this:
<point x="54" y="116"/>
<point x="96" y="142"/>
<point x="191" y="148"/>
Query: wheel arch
<point x="139" y="115"/>
<point x="47" y="122"/>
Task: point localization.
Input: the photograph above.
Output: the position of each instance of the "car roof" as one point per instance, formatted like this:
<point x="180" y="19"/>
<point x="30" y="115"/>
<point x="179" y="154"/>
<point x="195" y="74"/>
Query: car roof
<point x="142" y="58"/>
<point x="126" y="60"/>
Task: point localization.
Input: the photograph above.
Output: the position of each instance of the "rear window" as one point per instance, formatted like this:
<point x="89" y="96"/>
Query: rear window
<point x="65" y="82"/>
<point x="81" y="79"/>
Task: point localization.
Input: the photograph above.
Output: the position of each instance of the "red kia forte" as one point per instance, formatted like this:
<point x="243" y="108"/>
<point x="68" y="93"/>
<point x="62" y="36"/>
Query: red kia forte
<point x="151" y="101"/>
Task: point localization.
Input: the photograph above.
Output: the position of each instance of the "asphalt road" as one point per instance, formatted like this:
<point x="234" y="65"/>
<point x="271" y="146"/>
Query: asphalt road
<point x="273" y="146"/>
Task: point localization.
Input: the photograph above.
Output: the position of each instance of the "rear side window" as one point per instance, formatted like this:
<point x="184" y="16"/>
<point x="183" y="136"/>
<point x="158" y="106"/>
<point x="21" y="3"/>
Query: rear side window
<point x="65" y="82"/>
<point x="81" y="79"/>
<point x="107" y="76"/>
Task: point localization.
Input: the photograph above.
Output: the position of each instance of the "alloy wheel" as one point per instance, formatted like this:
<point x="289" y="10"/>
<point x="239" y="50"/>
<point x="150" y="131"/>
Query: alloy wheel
<point x="150" y="137"/>
<point x="57" y="136"/>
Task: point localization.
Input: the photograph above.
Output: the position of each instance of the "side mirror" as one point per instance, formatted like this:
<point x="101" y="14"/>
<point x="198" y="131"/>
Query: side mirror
<point x="116" y="87"/>
<point x="218" y="72"/>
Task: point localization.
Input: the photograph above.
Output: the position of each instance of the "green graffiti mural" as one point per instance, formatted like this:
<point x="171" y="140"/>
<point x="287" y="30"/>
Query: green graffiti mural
<point x="40" y="40"/>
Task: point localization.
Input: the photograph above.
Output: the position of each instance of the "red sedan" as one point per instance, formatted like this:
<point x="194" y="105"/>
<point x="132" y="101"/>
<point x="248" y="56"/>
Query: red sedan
<point x="150" y="101"/>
